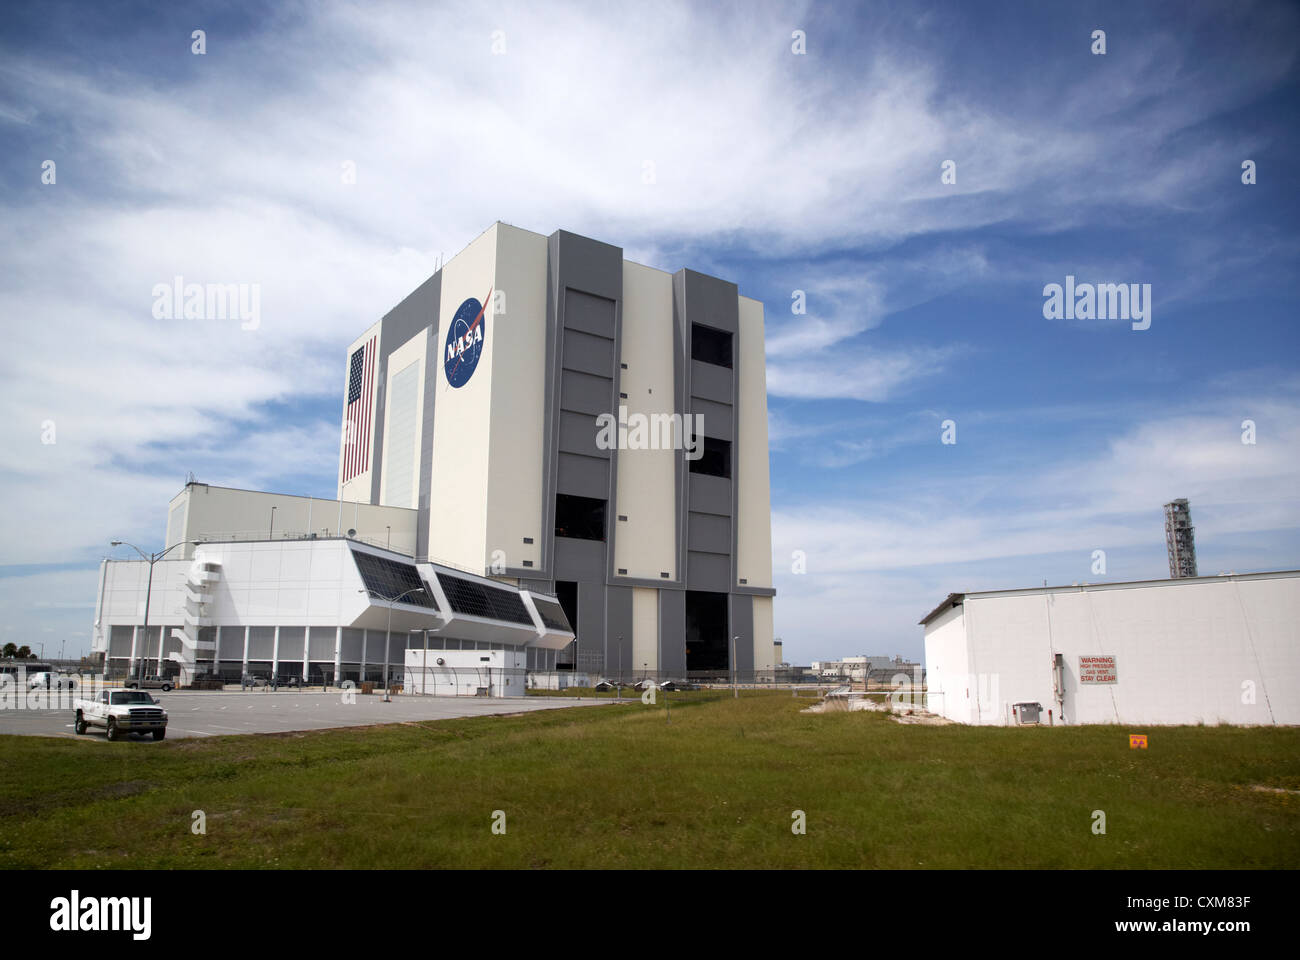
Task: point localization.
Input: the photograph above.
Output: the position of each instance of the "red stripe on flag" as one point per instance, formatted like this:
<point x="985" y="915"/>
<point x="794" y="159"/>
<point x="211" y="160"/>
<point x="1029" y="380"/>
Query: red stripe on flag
<point x="347" y="426"/>
<point x="365" y="409"/>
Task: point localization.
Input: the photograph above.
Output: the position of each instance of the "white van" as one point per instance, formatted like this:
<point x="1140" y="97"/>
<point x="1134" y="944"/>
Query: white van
<point x="46" y="680"/>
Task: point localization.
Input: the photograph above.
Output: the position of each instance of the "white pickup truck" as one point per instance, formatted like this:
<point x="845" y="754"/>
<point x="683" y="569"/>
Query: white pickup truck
<point x="121" y="712"/>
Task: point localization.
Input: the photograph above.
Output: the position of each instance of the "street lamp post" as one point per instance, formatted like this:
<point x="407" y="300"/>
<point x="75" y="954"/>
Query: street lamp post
<point x="735" y="693"/>
<point x="151" y="559"/>
<point x="388" y="633"/>
<point x="270" y="534"/>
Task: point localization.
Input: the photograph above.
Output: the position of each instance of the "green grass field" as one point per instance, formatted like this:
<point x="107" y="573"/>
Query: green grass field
<point x="620" y="786"/>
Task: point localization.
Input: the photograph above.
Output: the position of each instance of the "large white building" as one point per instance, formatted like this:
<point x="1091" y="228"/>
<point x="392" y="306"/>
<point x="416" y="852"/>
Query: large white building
<point x="228" y="601"/>
<point x="586" y="426"/>
<point x="1211" y="650"/>
<point x="578" y="438"/>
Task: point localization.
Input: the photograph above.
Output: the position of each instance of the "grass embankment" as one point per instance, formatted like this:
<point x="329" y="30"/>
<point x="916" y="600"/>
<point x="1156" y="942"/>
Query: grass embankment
<point x="620" y="786"/>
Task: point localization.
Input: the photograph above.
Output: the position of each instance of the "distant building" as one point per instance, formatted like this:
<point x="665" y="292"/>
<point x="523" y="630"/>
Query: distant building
<point x="855" y="669"/>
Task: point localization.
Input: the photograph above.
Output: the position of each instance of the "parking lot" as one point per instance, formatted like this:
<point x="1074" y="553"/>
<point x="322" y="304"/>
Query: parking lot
<point x="212" y="714"/>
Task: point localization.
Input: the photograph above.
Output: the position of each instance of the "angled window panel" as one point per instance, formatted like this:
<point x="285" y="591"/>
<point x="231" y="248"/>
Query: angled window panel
<point x="387" y="579"/>
<point x="552" y="614"/>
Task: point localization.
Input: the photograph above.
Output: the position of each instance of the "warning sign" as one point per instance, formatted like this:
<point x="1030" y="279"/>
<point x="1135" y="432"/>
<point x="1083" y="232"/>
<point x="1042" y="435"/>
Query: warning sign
<point x="1098" y="669"/>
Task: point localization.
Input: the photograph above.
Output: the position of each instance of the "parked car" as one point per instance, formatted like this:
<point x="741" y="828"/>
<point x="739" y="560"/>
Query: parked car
<point x="252" y="680"/>
<point x="286" y="682"/>
<point x="47" y="679"/>
<point x="121" y="712"/>
<point x="150" y="683"/>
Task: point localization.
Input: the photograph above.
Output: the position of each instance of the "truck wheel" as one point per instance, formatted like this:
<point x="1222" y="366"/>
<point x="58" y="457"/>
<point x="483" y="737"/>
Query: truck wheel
<point x="112" y="729"/>
<point x="167" y="688"/>
<point x="159" y="734"/>
<point x="79" y="727"/>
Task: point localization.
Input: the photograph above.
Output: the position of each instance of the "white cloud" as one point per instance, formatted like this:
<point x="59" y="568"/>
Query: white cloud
<point x="889" y="556"/>
<point x="233" y="175"/>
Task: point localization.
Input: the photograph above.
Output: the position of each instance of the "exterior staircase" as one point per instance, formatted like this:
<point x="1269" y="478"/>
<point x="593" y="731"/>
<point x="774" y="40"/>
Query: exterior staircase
<point x="202" y="580"/>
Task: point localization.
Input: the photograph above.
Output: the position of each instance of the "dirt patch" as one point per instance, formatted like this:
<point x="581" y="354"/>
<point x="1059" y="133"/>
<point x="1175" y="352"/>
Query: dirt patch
<point x="927" y="719"/>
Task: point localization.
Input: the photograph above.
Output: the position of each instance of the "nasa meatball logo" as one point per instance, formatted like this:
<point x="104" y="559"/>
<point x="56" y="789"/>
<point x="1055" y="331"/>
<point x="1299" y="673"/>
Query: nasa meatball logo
<point x="465" y="338"/>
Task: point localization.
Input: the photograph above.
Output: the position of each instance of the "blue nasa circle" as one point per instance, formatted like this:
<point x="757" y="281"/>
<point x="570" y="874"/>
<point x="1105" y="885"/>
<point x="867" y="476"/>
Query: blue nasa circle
<point x="465" y="338"/>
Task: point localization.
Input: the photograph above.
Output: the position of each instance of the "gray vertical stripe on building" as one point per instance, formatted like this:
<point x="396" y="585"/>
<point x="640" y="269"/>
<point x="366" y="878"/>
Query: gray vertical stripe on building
<point x="432" y="367"/>
<point x="400" y="324"/>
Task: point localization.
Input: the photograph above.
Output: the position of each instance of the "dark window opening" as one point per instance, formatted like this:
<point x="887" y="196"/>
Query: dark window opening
<point x="709" y="345"/>
<point x="582" y="518"/>
<point x="707" y="643"/>
<point x="715" y="458"/>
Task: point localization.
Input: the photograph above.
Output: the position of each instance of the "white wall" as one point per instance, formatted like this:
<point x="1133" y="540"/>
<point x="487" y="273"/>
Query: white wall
<point x="458" y="503"/>
<point x="210" y="511"/>
<point x="404" y="416"/>
<point x="646" y="490"/>
<point x="464" y="671"/>
<point x="950" y="688"/>
<point x="514" y="492"/>
<point x="645" y="628"/>
<point x="754" y="506"/>
<point x="289" y="583"/>
<point x="1186" y="651"/>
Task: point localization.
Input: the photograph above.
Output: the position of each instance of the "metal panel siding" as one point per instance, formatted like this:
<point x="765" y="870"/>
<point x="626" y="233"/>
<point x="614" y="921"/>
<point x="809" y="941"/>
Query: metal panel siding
<point x="717" y="418"/>
<point x="579" y="559"/>
<point x="588" y="313"/>
<point x="742" y="626"/>
<point x="351" y="645"/>
<point x="711" y="301"/>
<point x="582" y="476"/>
<point x="710" y="534"/>
<point x="591" y="618"/>
<point x="320" y="643"/>
<point x="416" y="312"/>
<point x="230" y="644"/>
<point x="586" y="393"/>
<point x="261" y="641"/>
<point x="587" y="353"/>
<point x="618" y="629"/>
<point x="578" y="435"/>
<point x="119" y="643"/>
<point x="291" y="643"/>
<point x="672" y="632"/>
<point x="708" y="571"/>
<point x="425" y="470"/>
<point x="399" y="484"/>
<point x="711" y="382"/>
<point x="589" y="265"/>
<point x="709" y="494"/>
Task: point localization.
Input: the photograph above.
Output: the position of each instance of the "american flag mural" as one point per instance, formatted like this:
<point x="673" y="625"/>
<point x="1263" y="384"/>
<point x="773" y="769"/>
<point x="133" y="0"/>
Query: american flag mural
<point x="356" y="419"/>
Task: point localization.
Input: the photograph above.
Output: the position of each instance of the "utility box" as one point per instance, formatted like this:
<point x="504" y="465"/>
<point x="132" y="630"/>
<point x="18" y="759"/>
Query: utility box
<point x="1027" y="714"/>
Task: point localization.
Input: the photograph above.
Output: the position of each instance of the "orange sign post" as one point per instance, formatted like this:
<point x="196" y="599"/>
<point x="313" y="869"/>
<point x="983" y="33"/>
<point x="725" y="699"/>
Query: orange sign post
<point x="1137" y="741"/>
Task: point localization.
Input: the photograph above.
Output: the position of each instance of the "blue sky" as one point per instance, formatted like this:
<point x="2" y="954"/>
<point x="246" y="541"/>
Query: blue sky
<point x="817" y="172"/>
